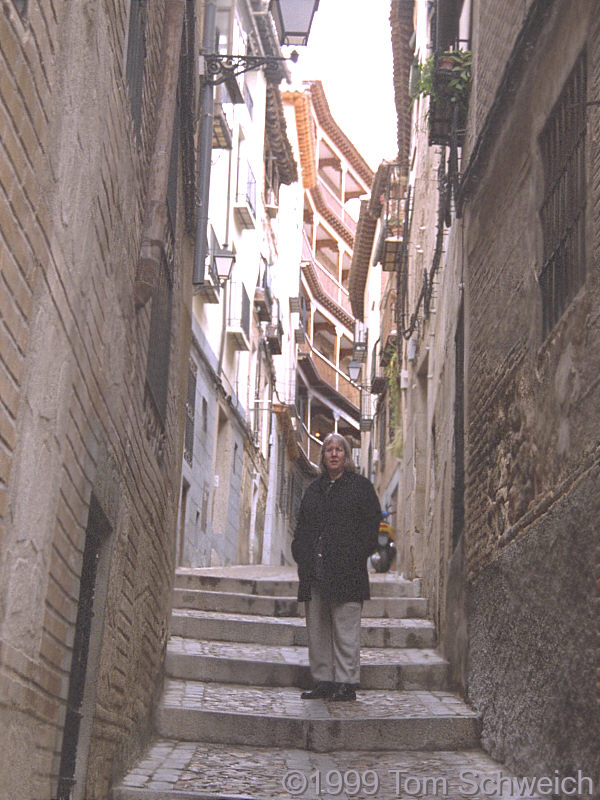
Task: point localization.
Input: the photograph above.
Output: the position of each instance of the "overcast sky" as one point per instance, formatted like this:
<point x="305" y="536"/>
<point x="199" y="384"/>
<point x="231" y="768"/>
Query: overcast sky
<point x="349" y="49"/>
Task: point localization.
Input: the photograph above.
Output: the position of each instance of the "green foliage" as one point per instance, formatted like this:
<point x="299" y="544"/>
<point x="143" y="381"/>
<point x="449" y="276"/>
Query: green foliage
<point x="458" y="85"/>
<point x="393" y="375"/>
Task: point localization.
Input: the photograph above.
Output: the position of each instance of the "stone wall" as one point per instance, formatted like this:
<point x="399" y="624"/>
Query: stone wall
<point x="532" y="432"/>
<point x="76" y="421"/>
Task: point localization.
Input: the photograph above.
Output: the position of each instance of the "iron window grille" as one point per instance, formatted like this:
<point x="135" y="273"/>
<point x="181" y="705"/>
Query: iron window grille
<point x="157" y="368"/>
<point x="21" y="6"/>
<point x="190" y="413"/>
<point x="239" y="308"/>
<point x="562" y="213"/>
<point x="251" y="191"/>
<point x="136" y="57"/>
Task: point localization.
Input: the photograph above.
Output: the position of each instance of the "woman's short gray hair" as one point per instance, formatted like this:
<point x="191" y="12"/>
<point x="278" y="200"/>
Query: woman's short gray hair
<point x="349" y="465"/>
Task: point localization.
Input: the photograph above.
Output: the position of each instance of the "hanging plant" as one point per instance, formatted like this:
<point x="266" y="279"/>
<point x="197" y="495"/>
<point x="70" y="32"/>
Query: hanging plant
<point x="448" y="73"/>
<point x="393" y="375"/>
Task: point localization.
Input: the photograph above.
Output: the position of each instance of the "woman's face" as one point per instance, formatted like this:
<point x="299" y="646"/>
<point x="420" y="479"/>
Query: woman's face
<point x="334" y="458"/>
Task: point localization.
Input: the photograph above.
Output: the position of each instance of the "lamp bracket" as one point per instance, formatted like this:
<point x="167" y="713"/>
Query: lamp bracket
<point x="218" y="68"/>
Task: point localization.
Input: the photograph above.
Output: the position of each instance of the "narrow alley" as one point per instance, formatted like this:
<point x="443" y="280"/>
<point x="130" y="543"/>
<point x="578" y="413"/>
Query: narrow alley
<point x="291" y="290"/>
<point x="231" y="722"/>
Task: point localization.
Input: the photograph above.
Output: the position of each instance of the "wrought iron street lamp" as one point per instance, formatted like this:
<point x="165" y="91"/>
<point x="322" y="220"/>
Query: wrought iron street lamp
<point x="293" y="19"/>
<point x="354" y="370"/>
<point x="223" y="260"/>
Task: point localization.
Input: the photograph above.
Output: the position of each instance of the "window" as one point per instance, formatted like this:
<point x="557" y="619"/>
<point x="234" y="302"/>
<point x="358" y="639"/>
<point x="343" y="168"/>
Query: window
<point x="562" y="213"/>
<point x="248" y="101"/>
<point x="157" y="368"/>
<point x="281" y="481"/>
<point x="136" y="56"/>
<point x="21" y="6"/>
<point x="173" y="169"/>
<point x="382" y="434"/>
<point x="190" y="406"/>
<point x="204" y="415"/>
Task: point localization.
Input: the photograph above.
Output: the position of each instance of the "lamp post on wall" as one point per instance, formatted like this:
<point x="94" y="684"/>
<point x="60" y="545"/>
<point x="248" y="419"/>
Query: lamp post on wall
<point x="293" y="19"/>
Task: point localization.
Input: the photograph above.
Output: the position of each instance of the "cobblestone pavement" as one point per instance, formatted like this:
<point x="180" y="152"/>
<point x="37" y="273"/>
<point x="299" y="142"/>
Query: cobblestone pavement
<point x="255" y="572"/>
<point x="286" y="702"/>
<point x="298" y="622"/>
<point x="180" y="769"/>
<point x="295" y="655"/>
<point x="225" y="771"/>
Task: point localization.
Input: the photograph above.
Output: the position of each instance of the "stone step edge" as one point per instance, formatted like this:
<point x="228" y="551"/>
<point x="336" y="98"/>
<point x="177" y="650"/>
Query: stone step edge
<point x="131" y="793"/>
<point x="285" y="603"/>
<point x="436" y="656"/>
<point x="263" y="619"/>
<point x="433" y="732"/>
<point x="217" y="626"/>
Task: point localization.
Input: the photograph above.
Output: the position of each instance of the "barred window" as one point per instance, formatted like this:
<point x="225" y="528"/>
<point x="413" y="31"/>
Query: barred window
<point x="190" y="407"/>
<point x="21" y="6"/>
<point x="136" y="56"/>
<point x="157" y="368"/>
<point x="382" y="434"/>
<point x="562" y="145"/>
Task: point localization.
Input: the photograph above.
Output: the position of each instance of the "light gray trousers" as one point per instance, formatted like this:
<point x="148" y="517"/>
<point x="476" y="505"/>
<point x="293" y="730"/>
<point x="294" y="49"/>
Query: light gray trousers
<point x="333" y="639"/>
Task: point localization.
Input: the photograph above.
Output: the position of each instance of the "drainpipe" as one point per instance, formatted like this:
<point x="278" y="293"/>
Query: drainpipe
<point x="155" y="223"/>
<point x="205" y="145"/>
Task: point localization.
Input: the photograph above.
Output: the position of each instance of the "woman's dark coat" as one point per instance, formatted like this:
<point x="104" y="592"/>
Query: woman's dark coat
<point x="348" y="516"/>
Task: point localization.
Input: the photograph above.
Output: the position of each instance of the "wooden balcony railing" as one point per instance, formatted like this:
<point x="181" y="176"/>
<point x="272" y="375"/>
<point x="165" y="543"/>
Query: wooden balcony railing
<point x="335" y="205"/>
<point x="330" y="286"/>
<point x="334" y="377"/>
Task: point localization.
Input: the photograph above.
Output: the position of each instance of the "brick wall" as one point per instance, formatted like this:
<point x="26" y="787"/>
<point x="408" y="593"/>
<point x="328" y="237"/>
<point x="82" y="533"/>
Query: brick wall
<point x="532" y="430"/>
<point x="74" y="416"/>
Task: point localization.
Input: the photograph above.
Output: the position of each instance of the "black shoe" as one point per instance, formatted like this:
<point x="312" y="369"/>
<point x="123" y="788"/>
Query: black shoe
<point x="322" y="690"/>
<point x="343" y="691"/>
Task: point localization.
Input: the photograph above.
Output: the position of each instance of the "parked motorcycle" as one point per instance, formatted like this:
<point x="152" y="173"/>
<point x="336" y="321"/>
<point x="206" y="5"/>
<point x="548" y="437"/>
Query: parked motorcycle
<point x="383" y="558"/>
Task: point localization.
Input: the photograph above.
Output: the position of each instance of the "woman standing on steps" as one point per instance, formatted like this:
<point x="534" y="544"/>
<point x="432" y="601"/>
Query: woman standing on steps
<point x="335" y="534"/>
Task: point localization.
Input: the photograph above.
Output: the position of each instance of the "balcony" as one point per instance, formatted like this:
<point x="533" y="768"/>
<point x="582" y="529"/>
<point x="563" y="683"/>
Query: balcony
<point x="263" y="297"/>
<point x="378" y="375"/>
<point x="238" y="317"/>
<point x="274" y="335"/>
<point x="327" y="283"/>
<point x="271" y="204"/>
<point x="244" y="208"/>
<point x="392" y="244"/>
<point x="335" y="206"/>
<point x="328" y="376"/>
<point x="361" y="339"/>
<point x="210" y="290"/>
<point x="222" y="135"/>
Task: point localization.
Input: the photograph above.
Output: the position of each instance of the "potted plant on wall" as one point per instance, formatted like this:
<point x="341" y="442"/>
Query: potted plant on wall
<point x="446" y="79"/>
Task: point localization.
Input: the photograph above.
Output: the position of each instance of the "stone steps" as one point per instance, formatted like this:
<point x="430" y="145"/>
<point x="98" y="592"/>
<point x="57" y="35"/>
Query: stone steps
<point x="277" y="717"/>
<point x="270" y="665"/>
<point x="280" y="582"/>
<point x="181" y="770"/>
<point x="286" y="606"/>
<point x="286" y="631"/>
<point x="231" y="723"/>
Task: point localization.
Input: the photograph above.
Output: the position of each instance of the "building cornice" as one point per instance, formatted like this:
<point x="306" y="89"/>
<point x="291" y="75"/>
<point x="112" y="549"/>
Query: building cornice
<point x="330" y="216"/>
<point x="300" y="102"/>
<point x="338" y="137"/>
<point x="402" y="26"/>
<point x="276" y="133"/>
<point x="361" y="259"/>
<point x="317" y="291"/>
